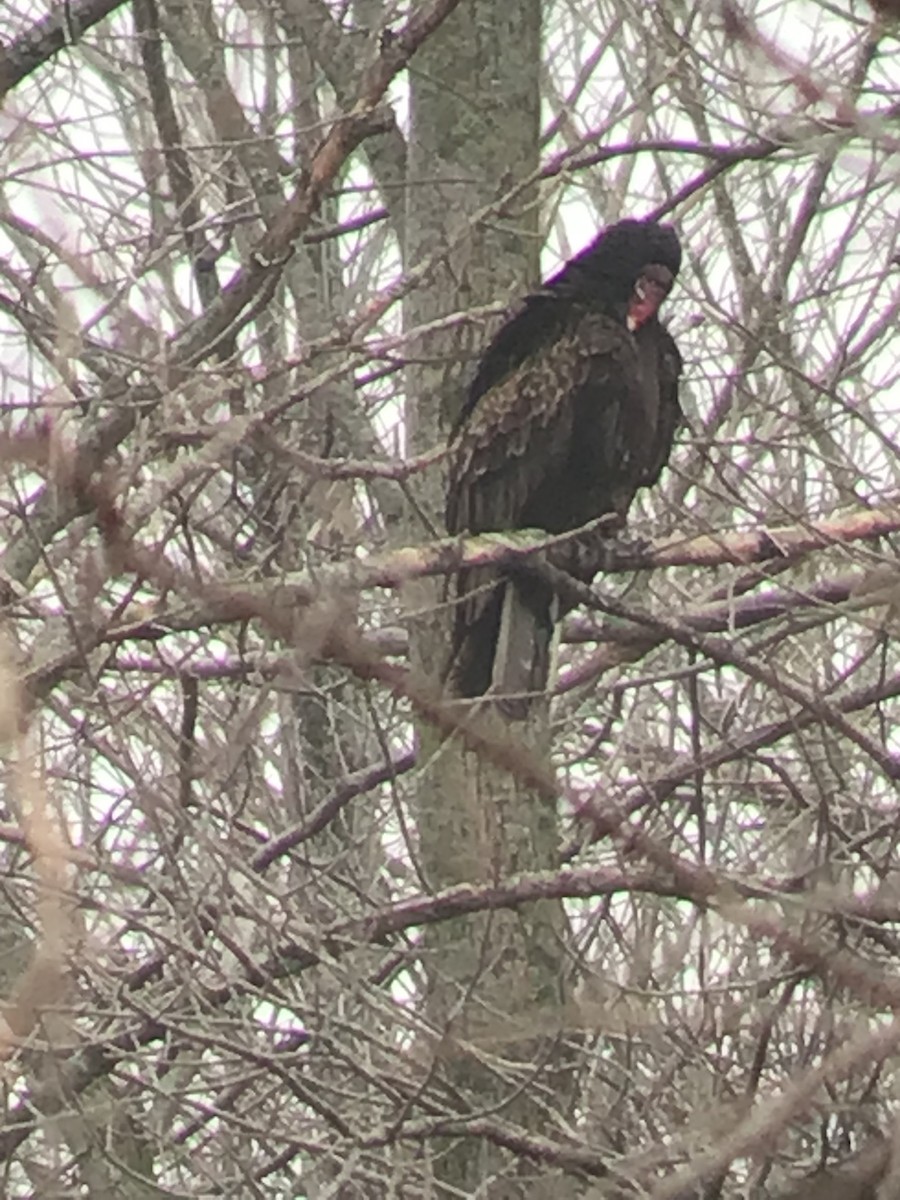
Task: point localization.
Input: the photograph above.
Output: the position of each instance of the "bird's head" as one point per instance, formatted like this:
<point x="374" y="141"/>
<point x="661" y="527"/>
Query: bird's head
<point x="651" y="287"/>
<point x="631" y="264"/>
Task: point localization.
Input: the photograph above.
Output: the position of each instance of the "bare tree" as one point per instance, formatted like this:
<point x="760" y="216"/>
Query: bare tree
<point x="278" y="918"/>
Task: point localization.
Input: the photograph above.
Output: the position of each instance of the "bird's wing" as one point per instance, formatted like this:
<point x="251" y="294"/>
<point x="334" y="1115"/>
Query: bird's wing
<point x="511" y="437"/>
<point x="519" y="434"/>
<point x="612" y="431"/>
<point x="516" y="431"/>
<point x="537" y="321"/>
<point x="509" y="468"/>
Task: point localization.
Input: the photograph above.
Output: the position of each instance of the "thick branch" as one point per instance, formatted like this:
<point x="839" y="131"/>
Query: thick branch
<point x="728" y="547"/>
<point x="60" y="28"/>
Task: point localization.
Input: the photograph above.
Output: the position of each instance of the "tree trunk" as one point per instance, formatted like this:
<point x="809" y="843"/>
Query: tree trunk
<point x="496" y="981"/>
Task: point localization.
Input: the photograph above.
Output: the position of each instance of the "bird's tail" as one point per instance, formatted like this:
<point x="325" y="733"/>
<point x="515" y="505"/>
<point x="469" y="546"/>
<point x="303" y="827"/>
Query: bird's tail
<point x="507" y="648"/>
<point x="524" y="647"/>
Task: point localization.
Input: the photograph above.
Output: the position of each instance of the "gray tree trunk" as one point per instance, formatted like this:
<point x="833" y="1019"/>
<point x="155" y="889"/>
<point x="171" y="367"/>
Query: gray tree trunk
<point x="497" y="994"/>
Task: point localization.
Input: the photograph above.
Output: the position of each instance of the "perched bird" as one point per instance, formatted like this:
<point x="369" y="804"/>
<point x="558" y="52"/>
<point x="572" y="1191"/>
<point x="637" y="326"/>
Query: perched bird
<point x="573" y="407"/>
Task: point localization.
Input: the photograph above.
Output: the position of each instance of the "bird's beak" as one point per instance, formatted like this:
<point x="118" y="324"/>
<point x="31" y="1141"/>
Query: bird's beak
<point x="649" y="293"/>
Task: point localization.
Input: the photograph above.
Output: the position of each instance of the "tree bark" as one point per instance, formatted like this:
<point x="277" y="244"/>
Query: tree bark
<point x="496" y="981"/>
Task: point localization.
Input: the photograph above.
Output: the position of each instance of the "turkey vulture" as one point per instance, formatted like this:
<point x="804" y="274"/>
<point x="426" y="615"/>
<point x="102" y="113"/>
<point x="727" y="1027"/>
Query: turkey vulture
<point x="573" y="407"/>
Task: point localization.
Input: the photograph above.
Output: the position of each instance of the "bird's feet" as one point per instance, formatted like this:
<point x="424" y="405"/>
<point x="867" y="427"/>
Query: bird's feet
<point x="621" y="554"/>
<point x="589" y="555"/>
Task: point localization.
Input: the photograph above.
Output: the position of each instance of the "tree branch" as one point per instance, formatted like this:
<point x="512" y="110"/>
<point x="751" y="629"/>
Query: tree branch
<point x="60" y="28"/>
<point x="229" y="312"/>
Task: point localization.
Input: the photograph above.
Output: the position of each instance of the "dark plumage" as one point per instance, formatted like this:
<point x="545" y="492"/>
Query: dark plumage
<point x="573" y="407"/>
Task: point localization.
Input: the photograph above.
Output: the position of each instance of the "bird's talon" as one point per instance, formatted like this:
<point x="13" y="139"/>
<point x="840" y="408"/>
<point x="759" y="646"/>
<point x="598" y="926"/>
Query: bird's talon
<point x="615" y="551"/>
